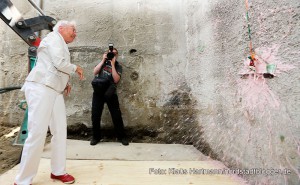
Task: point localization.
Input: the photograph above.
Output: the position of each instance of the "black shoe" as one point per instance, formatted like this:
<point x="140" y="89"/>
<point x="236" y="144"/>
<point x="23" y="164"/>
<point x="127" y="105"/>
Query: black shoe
<point x="124" y="141"/>
<point x="94" y="141"/>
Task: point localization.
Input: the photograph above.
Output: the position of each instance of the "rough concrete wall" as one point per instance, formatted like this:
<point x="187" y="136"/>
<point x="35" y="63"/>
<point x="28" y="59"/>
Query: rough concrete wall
<point x="155" y="29"/>
<point x="248" y="123"/>
<point x="13" y="68"/>
<point x="183" y="80"/>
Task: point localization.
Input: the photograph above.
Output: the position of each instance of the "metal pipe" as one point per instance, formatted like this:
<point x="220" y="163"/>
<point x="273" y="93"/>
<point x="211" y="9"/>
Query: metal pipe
<point x="6" y="89"/>
<point x="36" y="7"/>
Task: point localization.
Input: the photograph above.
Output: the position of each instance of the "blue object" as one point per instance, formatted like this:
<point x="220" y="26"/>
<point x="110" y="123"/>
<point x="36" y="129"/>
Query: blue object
<point x="23" y="133"/>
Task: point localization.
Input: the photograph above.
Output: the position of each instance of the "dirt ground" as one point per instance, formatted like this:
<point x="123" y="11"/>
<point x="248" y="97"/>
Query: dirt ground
<point x="9" y="154"/>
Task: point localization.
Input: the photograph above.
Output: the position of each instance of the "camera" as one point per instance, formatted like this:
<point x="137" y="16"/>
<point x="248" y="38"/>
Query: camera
<point x="110" y="55"/>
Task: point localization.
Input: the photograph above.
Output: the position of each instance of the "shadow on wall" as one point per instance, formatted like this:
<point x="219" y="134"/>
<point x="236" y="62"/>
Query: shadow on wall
<point x="180" y="125"/>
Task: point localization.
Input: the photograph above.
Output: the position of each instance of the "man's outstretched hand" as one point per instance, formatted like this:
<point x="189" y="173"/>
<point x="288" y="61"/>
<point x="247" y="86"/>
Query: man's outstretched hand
<point x="79" y="71"/>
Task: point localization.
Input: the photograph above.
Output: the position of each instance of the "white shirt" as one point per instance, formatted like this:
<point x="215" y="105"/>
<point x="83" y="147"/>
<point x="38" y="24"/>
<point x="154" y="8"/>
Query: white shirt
<point x="53" y="67"/>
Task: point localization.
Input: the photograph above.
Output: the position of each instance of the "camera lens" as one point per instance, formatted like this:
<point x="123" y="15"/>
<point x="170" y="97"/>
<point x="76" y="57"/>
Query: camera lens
<point x="110" y="55"/>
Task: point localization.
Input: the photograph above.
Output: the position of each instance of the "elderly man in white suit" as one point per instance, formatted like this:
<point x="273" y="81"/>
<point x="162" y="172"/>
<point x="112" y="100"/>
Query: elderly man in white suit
<point x="44" y="88"/>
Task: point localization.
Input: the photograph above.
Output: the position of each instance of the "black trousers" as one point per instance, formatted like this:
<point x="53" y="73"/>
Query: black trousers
<point x="114" y="108"/>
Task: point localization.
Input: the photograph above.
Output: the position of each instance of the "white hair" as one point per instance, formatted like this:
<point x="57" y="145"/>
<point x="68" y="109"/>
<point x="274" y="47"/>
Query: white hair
<point x="63" y="23"/>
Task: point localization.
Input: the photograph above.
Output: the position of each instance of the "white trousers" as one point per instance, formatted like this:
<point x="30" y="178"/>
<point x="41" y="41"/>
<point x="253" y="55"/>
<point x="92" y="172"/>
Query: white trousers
<point x="46" y="107"/>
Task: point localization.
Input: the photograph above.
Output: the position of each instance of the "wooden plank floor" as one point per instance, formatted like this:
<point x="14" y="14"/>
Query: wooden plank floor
<point x="109" y="172"/>
<point x="134" y="151"/>
<point x="111" y="163"/>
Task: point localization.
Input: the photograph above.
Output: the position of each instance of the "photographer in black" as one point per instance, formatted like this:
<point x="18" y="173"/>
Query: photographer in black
<point x="107" y="75"/>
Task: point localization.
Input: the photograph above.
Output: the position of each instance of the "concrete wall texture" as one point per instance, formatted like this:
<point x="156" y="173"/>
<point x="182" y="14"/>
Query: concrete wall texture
<point x="184" y="78"/>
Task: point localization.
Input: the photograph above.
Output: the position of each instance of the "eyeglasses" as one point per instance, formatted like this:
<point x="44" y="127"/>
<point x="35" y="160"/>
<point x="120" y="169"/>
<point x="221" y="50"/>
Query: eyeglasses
<point x="73" y="29"/>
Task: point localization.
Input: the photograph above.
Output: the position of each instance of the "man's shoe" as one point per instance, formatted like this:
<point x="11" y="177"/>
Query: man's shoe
<point x="66" y="178"/>
<point x="94" y="141"/>
<point x="124" y="141"/>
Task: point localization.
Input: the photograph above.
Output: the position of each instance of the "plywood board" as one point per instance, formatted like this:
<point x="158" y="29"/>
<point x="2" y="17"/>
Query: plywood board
<point x="109" y="172"/>
<point x="77" y="149"/>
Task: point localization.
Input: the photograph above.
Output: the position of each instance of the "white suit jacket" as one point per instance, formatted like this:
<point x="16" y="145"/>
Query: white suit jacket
<point x="53" y="67"/>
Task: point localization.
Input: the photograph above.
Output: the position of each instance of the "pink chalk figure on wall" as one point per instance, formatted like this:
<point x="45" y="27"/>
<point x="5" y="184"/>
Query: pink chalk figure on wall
<point x="264" y="61"/>
<point x="253" y="90"/>
<point x="255" y="65"/>
<point x="255" y="94"/>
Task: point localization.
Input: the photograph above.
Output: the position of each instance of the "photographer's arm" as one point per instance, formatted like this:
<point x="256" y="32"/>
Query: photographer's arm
<point x="98" y="67"/>
<point x="114" y="72"/>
